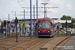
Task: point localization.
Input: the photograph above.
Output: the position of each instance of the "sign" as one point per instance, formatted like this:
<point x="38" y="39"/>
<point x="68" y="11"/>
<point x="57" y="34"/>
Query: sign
<point x="12" y="24"/>
<point x="34" y="27"/>
<point x="62" y="21"/>
<point x="22" y="22"/>
<point x="16" y="21"/>
<point x="72" y="32"/>
<point x="59" y="23"/>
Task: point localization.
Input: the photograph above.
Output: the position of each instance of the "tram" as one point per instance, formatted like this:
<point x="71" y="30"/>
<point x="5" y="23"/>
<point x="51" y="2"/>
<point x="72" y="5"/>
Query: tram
<point x="44" y="27"/>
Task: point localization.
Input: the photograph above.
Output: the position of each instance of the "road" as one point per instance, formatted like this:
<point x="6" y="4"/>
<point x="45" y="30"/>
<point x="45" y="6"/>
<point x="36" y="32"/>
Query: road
<point x="70" y="45"/>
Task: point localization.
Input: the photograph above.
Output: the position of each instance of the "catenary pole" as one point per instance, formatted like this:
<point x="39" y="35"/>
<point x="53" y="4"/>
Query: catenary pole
<point x="34" y="19"/>
<point x="37" y="9"/>
<point x="30" y="18"/>
<point x="24" y="22"/>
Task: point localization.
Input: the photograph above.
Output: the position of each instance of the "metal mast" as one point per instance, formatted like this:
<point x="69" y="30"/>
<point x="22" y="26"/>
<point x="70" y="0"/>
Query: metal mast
<point x="44" y="9"/>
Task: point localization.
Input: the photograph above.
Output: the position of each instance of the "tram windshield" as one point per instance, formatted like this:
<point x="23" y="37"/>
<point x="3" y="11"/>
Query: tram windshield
<point x="44" y="24"/>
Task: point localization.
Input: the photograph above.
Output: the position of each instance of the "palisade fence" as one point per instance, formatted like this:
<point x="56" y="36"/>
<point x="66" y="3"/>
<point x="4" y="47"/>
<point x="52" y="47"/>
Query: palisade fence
<point x="61" y="33"/>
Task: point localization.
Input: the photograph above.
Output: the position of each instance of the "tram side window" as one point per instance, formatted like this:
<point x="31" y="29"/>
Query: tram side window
<point x="51" y="26"/>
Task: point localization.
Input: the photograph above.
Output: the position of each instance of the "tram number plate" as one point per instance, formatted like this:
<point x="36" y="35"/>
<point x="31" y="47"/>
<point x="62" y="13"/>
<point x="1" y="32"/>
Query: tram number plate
<point x="43" y="31"/>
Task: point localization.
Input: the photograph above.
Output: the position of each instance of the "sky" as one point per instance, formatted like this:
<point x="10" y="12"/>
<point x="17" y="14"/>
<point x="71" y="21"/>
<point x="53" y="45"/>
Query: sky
<point x="65" y="7"/>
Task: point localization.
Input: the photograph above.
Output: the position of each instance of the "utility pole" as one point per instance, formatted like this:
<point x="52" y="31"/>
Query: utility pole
<point x="44" y="9"/>
<point x="66" y="26"/>
<point x="9" y="24"/>
<point x="37" y="10"/>
<point x="0" y="24"/>
<point x="6" y="29"/>
<point x="34" y="19"/>
<point x="73" y="23"/>
<point x="24" y="22"/>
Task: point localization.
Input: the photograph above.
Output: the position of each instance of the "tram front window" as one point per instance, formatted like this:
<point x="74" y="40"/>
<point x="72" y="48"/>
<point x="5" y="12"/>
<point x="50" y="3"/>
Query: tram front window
<point x="44" y="24"/>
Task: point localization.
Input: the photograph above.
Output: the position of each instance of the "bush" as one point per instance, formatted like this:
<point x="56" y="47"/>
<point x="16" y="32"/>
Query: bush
<point x="72" y="34"/>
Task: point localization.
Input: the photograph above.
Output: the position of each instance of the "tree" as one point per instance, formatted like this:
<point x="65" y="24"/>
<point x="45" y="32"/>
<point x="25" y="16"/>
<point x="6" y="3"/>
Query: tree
<point x="64" y="17"/>
<point x="2" y="25"/>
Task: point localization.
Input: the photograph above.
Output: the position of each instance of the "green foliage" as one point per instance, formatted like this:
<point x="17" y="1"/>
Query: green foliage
<point x="73" y="34"/>
<point x="64" y="17"/>
<point x="2" y="25"/>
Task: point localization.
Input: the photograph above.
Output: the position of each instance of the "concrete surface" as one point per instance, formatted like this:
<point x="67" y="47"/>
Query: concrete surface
<point x="70" y="45"/>
<point x="51" y="44"/>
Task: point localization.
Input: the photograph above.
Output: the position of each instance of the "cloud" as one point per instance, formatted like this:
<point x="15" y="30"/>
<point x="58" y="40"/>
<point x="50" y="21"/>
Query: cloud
<point x="58" y="2"/>
<point x="20" y="9"/>
<point x="6" y="2"/>
<point x="69" y="7"/>
<point x="65" y="14"/>
<point x="49" y="5"/>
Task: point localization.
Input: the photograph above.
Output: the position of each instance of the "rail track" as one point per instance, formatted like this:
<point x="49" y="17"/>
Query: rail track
<point x="25" y="43"/>
<point x="31" y="44"/>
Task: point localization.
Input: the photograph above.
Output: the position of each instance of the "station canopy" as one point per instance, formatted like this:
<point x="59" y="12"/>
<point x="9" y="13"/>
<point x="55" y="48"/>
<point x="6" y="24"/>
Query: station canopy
<point x="61" y="21"/>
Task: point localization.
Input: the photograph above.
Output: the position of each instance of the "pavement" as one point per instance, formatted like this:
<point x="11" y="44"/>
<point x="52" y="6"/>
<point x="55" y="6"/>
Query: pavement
<point x="31" y="43"/>
<point x="53" y="43"/>
<point x="1" y="35"/>
<point x="69" y="45"/>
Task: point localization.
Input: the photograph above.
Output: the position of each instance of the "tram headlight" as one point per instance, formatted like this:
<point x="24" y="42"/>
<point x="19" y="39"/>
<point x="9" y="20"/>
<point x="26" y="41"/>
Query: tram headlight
<point x="38" y="31"/>
<point x="48" y="31"/>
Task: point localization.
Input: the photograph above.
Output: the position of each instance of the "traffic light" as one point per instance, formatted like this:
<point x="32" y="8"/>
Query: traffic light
<point x="16" y="21"/>
<point x="4" y="22"/>
<point x="8" y="22"/>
